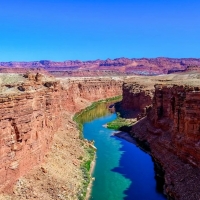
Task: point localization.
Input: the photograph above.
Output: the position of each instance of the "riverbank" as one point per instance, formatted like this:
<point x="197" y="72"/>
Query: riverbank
<point x="89" y="188"/>
<point x="143" y="145"/>
<point x="53" y="180"/>
<point x="89" y="163"/>
<point x="121" y="167"/>
<point x="123" y="126"/>
<point x="58" y="175"/>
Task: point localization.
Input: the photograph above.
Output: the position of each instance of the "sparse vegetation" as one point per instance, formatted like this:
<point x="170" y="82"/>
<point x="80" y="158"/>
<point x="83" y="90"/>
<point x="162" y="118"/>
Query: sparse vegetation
<point x="80" y="119"/>
<point x="80" y="157"/>
<point x="86" y="170"/>
<point x="120" y="122"/>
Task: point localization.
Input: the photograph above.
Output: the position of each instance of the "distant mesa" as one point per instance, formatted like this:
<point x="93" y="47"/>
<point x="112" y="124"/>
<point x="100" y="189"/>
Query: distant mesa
<point x="118" y="66"/>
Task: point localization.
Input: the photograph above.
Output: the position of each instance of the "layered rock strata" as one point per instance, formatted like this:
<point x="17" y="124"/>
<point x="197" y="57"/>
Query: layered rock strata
<point x="118" y="66"/>
<point x="31" y="111"/>
<point x="137" y="100"/>
<point x="171" y="129"/>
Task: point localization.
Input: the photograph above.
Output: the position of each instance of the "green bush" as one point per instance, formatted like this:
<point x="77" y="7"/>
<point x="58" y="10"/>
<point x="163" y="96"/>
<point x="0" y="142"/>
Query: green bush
<point x="119" y="122"/>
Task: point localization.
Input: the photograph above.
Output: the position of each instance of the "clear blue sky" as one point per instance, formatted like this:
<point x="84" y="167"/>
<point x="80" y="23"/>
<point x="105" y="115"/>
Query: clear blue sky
<point x="62" y="30"/>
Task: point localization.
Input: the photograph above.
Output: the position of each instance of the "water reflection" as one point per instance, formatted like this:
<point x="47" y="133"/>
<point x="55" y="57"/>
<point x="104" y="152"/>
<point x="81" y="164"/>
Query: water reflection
<point x="100" y="110"/>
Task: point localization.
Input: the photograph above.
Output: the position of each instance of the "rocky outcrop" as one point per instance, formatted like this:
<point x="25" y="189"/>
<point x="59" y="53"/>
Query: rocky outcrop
<point x="28" y="121"/>
<point x="174" y="120"/>
<point x="171" y="129"/>
<point x="78" y="91"/>
<point x="31" y="112"/>
<point x="175" y="113"/>
<point x="136" y="99"/>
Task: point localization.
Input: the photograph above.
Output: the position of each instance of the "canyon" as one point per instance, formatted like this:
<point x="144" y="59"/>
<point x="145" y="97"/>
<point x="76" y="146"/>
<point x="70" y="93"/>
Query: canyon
<point x="37" y="130"/>
<point x="41" y="150"/>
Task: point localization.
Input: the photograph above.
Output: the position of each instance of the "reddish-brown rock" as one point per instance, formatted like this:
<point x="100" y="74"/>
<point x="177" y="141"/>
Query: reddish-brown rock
<point x="30" y="114"/>
<point x="137" y="98"/>
<point x="171" y="128"/>
<point x="118" y="66"/>
<point x="28" y="121"/>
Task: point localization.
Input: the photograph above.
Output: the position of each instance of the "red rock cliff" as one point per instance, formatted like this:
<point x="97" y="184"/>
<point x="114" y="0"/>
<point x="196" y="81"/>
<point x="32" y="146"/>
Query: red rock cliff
<point x="175" y="113"/>
<point x="137" y="95"/>
<point x="136" y="98"/>
<point x="171" y="128"/>
<point x="30" y="113"/>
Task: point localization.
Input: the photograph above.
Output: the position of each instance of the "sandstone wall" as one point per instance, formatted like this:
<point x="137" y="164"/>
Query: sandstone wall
<point x="28" y="121"/>
<point x="76" y="93"/>
<point x="176" y="112"/>
<point x="136" y="99"/>
<point x="30" y="117"/>
<point x="171" y="129"/>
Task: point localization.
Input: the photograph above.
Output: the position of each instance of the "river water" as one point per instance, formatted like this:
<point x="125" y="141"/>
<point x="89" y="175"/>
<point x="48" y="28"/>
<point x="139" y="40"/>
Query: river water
<point x="122" y="170"/>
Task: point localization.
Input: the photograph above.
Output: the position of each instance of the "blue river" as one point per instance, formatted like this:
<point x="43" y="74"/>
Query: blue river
<point x="122" y="170"/>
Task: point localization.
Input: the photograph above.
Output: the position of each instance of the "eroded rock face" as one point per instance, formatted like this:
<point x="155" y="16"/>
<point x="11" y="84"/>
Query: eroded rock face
<point x="175" y="111"/>
<point x="76" y="92"/>
<point x="30" y="114"/>
<point x="28" y="121"/>
<point x="171" y="128"/>
<point x="173" y="134"/>
<point x="136" y="99"/>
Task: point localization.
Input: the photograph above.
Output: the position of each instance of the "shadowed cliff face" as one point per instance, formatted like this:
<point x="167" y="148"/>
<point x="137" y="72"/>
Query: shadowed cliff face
<point x="137" y="98"/>
<point x="171" y="127"/>
<point x="175" y="112"/>
<point x="31" y="110"/>
<point x="137" y="93"/>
